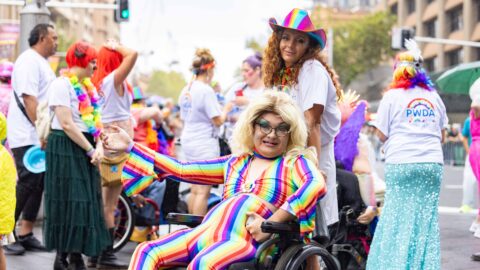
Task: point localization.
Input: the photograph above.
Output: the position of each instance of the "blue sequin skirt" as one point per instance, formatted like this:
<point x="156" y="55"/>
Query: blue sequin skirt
<point x="407" y="236"/>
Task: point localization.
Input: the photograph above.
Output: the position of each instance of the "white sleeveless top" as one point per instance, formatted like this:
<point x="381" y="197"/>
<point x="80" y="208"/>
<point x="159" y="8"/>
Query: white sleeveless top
<point x="115" y="107"/>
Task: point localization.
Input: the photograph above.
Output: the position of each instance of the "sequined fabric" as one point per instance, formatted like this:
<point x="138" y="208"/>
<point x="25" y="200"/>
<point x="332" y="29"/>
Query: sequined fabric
<point x="407" y="236"/>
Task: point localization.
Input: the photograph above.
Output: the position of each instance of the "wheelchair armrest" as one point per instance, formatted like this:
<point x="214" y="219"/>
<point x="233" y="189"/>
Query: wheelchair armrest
<point x="290" y="227"/>
<point x="184" y="219"/>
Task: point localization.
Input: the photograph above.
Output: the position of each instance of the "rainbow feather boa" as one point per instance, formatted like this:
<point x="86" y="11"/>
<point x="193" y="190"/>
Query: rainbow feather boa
<point x="89" y="103"/>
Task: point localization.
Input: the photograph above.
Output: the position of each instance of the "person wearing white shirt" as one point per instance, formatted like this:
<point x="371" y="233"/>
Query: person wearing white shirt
<point x="411" y="121"/>
<point x="30" y="79"/>
<point x="293" y="64"/>
<point x="202" y="116"/>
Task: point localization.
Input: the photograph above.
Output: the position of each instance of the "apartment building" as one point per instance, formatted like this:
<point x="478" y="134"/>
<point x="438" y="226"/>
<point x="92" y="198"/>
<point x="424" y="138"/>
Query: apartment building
<point x="447" y="19"/>
<point x="91" y="25"/>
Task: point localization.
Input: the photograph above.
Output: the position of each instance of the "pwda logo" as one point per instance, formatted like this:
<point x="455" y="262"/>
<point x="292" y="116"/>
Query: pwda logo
<point x="420" y="110"/>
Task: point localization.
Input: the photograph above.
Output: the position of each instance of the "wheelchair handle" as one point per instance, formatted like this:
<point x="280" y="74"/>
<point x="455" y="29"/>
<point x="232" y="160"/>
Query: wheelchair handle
<point x="280" y="227"/>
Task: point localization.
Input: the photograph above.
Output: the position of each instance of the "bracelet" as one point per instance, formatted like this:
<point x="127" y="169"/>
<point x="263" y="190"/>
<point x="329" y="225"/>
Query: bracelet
<point x="90" y="152"/>
<point x="130" y="146"/>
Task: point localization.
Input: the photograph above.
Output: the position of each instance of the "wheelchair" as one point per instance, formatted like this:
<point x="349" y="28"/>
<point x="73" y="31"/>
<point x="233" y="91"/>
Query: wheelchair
<point x="125" y="218"/>
<point x="285" y="250"/>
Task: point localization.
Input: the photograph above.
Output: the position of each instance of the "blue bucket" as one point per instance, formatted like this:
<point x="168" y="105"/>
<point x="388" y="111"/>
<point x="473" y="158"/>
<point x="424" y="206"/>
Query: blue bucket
<point x="34" y="159"/>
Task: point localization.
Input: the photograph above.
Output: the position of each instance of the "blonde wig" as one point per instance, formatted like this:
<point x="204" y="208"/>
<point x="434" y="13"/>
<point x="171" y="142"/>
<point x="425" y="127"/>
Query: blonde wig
<point x="281" y="104"/>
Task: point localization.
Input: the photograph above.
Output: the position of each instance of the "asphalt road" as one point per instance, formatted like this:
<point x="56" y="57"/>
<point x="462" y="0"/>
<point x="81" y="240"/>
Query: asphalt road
<point x="457" y="243"/>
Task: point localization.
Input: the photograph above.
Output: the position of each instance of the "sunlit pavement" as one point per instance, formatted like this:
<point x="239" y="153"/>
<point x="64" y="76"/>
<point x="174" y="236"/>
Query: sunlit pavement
<point x="457" y="242"/>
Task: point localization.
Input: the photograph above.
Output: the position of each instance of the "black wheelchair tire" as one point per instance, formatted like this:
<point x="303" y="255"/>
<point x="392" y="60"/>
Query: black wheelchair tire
<point x="125" y="223"/>
<point x="294" y="257"/>
<point x="287" y="256"/>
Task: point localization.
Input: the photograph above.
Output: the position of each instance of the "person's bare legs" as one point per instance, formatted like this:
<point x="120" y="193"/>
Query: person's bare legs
<point x="3" y="260"/>
<point x="26" y="227"/>
<point x="198" y="199"/>
<point x="110" y="200"/>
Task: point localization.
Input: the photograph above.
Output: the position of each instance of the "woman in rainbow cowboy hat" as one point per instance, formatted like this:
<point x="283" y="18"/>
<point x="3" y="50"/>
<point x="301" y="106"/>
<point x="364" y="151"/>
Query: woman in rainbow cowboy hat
<point x="411" y="122"/>
<point x="293" y="64"/>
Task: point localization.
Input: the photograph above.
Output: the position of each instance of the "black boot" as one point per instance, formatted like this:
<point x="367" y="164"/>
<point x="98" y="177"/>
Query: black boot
<point x="76" y="262"/>
<point x="92" y="261"/>
<point x="108" y="260"/>
<point x="60" y="262"/>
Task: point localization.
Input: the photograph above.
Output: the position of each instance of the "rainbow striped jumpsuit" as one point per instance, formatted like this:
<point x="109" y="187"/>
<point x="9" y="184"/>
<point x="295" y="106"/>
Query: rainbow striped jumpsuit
<point x="291" y="184"/>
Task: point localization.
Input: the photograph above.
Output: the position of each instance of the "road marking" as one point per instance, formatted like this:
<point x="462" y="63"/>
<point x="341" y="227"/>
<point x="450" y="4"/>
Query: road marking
<point x="454" y="210"/>
<point x="453" y="186"/>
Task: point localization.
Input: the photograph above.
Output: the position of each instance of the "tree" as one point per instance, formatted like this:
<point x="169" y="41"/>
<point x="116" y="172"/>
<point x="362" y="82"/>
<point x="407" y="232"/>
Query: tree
<point x="361" y="44"/>
<point x="166" y="84"/>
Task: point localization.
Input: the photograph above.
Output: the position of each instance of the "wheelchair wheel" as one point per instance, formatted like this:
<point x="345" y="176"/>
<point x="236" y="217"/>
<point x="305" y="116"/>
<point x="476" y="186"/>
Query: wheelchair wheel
<point x="295" y="258"/>
<point x="124" y="222"/>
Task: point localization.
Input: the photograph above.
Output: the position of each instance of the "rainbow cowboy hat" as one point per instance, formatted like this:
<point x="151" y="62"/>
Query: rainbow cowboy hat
<point x="299" y="20"/>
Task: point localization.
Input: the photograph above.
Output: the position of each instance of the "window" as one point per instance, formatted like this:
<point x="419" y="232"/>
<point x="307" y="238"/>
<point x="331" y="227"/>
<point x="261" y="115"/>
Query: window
<point x="430" y="64"/>
<point x="476" y="6"/>
<point x="478" y="54"/>
<point x="456" y="19"/>
<point x="430" y="28"/>
<point x="410" y="6"/>
<point x="429" y="1"/>
<point x="394" y="9"/>
<point x="455" y="57"/>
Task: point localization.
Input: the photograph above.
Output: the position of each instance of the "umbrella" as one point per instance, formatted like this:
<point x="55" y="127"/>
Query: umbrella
<point x="459" y="79"/>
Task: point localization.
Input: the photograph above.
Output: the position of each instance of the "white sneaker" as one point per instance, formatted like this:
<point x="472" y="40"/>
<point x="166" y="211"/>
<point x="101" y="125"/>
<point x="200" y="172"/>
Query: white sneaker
<point x="477" y="232"/>
<point x="475" y="227"/>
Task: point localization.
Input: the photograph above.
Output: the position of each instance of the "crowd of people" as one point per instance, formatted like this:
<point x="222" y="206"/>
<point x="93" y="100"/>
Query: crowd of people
<point x="278" y="142"/>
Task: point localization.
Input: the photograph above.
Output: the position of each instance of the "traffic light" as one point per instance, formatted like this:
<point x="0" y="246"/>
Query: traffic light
<point x="399" y="35"/>
<point x="122" y="12"/>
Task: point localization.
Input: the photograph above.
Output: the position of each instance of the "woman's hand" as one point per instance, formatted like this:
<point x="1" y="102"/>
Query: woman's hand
<point x="97" y="155"/>
<point x="111" y="44"/>
<point x="253" y="226"/>
<point x="367" y="216"/>
<point x="117" y="140"/>
<point x="241" y="101"/>
<point x="139" y="200"/>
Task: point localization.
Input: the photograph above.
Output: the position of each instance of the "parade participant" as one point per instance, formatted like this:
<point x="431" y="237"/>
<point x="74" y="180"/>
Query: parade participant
<point x="201" y="115"/>
<point x="7" y="192"/>
<point x="351" y="150"/>
<point x="270" y="176"/>
<point x="474" y="153"/>
<point x="469" y="185"/>
<point x="147" y="119"/>
<point x="6" y="69"/>
<point x="74" y="223"/>
<point x="251" y="87"/>
<point x="410" y="120"/>
<point x="292" y="62"/>
<point x="30" y="79"/>
<point x="114" y="63"/>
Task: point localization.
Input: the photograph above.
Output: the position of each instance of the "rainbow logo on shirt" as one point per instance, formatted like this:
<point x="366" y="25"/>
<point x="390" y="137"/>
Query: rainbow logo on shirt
<point x="420" y="110"/>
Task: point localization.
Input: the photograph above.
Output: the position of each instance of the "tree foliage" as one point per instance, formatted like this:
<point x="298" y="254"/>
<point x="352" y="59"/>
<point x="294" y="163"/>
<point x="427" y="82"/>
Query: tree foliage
<point x="166" y="84"/>
<point x="362" y="44"/>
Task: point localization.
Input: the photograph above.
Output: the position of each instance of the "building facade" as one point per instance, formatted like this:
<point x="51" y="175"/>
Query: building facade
<point x="446" y="19"/>
<point x="92" y="25"/>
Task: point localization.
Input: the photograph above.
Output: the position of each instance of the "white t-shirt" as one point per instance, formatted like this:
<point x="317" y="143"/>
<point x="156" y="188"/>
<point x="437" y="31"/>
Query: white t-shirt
<point x="31" y="76"/>
<point x="315" y="87"/>
<point x="115" y="107"/>
<point x="61" y="93"/>
<point x="247" y="92"/>
<point x="198" y="105"/>
<point x="412" y="120"/>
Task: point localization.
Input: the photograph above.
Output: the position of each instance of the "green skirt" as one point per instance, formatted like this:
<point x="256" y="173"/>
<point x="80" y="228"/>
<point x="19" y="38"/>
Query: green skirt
<point x="74" y="219"/>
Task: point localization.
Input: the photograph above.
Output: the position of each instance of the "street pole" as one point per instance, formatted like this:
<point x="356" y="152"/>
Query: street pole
<point x="33" y="13"/>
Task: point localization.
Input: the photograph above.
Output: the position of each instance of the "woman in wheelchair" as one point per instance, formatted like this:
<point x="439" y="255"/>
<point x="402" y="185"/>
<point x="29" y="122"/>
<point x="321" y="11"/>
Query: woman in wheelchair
<point x="270" y="176"/>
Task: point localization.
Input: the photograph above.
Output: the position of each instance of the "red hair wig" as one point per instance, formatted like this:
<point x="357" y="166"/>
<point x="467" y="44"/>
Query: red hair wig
<point x="79" y="54"/>
<point x="107" y="62"/>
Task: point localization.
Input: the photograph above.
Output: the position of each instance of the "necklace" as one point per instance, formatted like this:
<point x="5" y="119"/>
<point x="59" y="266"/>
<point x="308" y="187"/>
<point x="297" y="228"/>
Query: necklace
<point x="256" y="154"/>
<point x="89" y="103"/>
